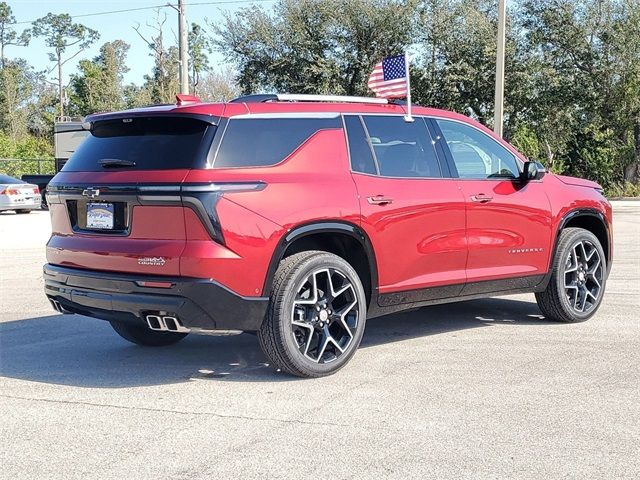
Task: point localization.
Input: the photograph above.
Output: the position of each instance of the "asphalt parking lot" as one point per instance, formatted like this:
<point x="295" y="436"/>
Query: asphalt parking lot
<point x="481" y="389"/>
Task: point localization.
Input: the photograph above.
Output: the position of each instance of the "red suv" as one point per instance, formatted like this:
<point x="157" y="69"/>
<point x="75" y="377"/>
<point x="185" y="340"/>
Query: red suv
<point x="298" y="217"/>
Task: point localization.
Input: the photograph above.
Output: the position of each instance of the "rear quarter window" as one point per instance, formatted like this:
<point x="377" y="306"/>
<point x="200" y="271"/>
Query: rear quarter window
<point x="151" y="143"/>
<point x="263" y="142"/>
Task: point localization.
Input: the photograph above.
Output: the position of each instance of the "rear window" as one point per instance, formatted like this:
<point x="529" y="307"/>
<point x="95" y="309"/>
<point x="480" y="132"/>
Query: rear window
<point x="262" y="142"/>
<point x="7" y="180"/>
<point x="145" y="143"/>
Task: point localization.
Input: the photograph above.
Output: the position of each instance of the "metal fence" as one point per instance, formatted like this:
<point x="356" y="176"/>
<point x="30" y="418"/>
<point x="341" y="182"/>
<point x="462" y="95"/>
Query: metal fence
<point x="16" y="167"/>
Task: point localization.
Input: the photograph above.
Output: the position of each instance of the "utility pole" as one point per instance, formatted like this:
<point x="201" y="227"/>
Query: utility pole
<point x="183" y="46"/>
<point x="499" y="98"/>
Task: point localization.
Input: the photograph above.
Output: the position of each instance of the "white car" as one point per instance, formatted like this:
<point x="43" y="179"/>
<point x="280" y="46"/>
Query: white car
<point x="17" y="195"/>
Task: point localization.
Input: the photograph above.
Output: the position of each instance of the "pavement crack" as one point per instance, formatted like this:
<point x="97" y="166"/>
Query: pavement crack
<point x="178" y="412"/>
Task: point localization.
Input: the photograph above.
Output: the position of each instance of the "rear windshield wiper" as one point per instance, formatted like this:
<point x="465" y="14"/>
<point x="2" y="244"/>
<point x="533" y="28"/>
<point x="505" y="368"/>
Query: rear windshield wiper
<point x="116" y="163"/>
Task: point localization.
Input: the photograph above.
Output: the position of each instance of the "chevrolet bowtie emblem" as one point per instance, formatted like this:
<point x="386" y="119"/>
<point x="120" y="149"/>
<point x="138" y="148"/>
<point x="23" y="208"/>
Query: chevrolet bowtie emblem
<point x="91" y="192"/>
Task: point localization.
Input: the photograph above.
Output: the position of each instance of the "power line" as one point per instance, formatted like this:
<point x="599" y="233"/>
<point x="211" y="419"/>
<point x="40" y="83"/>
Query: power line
<point x="152" y="7"/>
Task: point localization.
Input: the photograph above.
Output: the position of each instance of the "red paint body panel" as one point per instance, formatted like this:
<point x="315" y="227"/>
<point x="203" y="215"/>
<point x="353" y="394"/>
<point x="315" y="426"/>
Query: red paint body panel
<point x="420" y="236"/>
<point x="510" y="235"/>
<point x="566" y="198"/>
<point x="242" y="264"/>
<point x="148" y="238"/>
<point x="312" y="184"/>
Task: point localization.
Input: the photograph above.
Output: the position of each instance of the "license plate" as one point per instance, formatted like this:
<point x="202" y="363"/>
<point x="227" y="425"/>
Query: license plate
<point x="100" y="215"/>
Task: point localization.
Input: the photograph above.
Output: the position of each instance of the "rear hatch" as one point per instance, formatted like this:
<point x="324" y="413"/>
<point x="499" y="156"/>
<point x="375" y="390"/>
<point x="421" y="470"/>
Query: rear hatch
<point x="118" y="205"/>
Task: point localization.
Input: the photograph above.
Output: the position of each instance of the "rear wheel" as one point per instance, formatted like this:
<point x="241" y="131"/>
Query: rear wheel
<point x="577" y="280"/>
<point x="142" y="335"/>
<point x="22" y="211"/>
<point x="316" y="315"/>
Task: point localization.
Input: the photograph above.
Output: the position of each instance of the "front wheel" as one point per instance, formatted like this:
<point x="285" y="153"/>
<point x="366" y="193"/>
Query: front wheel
<point x="143" y="335"/>
<point x="316" y="315"/>
<point x="578" y="278"/>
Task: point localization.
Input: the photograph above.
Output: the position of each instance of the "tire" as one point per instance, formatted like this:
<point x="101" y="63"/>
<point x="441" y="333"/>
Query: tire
<point x="566" y="299"/>
<point x="308" y="338"/>
<point x="23" y="211"/>
<point x="142" y="335"/>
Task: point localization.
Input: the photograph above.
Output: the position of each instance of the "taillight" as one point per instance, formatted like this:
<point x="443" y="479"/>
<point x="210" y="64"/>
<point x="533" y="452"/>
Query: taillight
<point x="207" y="196"/>
<point x="10" y="191"/>
<point x="36" y="190"/>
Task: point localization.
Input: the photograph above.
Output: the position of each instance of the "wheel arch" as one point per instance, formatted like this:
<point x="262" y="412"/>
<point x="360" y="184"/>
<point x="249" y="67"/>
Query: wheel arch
<point x="591" y="220"/>
<point x="341" y="238"/>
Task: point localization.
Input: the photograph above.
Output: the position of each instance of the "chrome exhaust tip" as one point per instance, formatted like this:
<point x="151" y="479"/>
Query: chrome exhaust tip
<point x="57" y="306"/>
<point x="165" y="323"/>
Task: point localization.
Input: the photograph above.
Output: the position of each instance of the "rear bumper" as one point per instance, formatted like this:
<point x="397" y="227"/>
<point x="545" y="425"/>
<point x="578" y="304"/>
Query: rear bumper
<point x="197" y="303"/>
<point x="29" y="204"/>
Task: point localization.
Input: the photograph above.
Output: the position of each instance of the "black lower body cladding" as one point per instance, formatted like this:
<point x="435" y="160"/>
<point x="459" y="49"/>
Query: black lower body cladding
<point x="198" y="303"/>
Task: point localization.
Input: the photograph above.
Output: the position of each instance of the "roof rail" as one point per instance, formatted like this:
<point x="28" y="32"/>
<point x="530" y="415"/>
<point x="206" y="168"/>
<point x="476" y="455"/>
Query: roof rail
<point x="286" y="97"/>
<point x="329" y="98"/>
<point x="260" y="98"/>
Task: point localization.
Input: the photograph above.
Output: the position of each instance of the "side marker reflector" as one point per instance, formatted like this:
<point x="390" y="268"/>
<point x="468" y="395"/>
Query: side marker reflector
<point x="144" y="283"/>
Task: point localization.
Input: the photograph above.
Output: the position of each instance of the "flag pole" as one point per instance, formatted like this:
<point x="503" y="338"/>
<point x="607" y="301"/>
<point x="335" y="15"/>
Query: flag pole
<point x="408" y="117"/>
<point x="498" y="121"/>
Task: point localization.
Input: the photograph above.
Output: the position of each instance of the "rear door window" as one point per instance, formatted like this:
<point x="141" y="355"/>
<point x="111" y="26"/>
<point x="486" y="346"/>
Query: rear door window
<point x="144" y="143"/>
<point x="403" y="149"/>
<point x="262" y="142"/>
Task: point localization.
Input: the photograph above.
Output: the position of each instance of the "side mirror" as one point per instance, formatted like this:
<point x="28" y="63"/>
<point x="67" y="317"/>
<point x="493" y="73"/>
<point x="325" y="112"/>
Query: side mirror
<point x="533" y="171"/>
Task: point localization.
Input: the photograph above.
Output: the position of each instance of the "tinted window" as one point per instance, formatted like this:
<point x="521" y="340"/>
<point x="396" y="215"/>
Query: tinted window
<point x="261" y="142"/>
<point x="359" y="148"/>
<point x="149" y="142"/>
<point x="7" y="180"/>
<point x="475" y="154"/>
<point x="403" y="149"/>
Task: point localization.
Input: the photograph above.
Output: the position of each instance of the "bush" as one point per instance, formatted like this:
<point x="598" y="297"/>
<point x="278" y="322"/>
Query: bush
<point x="28" y="156"/>
<point x="527" y="143"/>
<point x="26" y="148"/>
<point x="623" y="190"/>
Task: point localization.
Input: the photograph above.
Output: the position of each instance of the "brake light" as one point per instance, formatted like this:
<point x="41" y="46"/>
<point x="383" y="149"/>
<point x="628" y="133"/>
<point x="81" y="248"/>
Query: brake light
<point x="10" y="191"/>
<point x="36" y="190"/>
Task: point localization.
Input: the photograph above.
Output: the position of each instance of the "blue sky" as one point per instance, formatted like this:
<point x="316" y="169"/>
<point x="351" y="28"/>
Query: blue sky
<point x="112" y="27"/>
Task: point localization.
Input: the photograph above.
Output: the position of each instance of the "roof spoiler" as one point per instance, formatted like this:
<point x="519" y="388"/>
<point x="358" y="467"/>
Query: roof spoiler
<point x="184" y="99"/>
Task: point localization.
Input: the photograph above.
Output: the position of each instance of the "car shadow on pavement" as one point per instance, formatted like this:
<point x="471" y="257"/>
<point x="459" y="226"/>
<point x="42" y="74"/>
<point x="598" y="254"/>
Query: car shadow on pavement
<point x="79" y="351"/>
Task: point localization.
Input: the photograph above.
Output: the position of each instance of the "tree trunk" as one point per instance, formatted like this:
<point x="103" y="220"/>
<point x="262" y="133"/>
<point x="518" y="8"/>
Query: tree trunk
<point x="60" y="86"/>
<point x="632" y="171"/>
<point x="550" y="155"/>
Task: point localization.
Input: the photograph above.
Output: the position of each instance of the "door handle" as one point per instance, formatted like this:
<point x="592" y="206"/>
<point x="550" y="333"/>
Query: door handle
<point x="481" y="198"/>
<point x="379" y="200"/>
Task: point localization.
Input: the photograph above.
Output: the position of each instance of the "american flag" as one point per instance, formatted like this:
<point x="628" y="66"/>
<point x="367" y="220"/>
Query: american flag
<point x="389" y="78"/>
